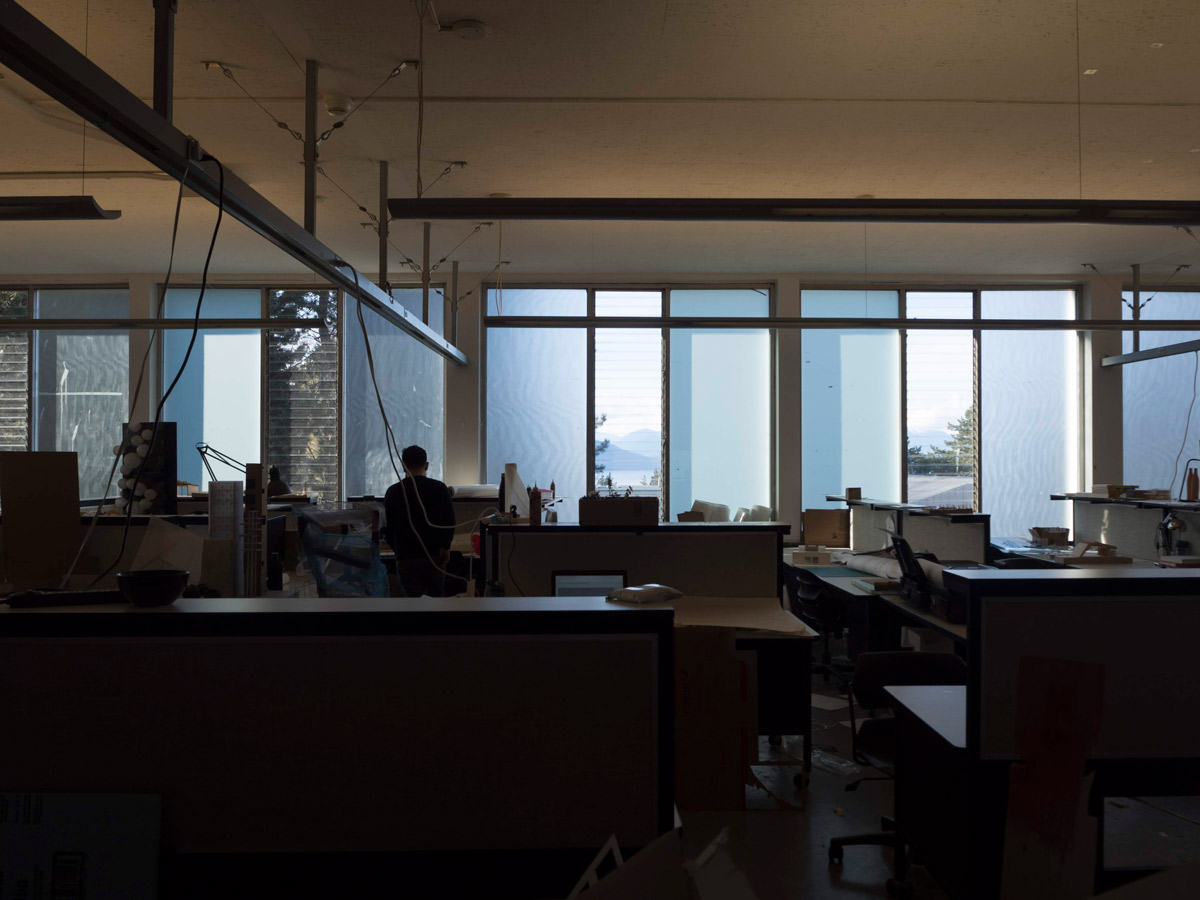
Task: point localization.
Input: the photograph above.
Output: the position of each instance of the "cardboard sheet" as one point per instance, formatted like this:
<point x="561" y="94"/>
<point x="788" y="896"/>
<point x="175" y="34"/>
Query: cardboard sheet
<point x="742" y="613"/>
<point x="39" y="492"/>
<point x="167" y="546"/>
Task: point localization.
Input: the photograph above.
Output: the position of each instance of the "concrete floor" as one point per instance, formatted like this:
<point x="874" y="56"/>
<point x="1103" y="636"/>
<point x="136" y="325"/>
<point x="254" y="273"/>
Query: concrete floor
<point x="780" y="843"/>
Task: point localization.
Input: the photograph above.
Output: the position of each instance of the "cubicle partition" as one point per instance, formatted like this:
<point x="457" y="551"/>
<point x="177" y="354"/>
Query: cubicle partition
<point x="1052" y="655"/>
<point x="455" y="741"/>
<point x="948" y="535"/>
<point x="711" y="559"/>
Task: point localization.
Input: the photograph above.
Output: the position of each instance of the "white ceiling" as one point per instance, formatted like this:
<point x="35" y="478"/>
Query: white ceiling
<point x="676" y="98"/>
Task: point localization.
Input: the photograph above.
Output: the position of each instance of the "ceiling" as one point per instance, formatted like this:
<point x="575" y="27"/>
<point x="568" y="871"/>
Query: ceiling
<point x="643" y="98"/>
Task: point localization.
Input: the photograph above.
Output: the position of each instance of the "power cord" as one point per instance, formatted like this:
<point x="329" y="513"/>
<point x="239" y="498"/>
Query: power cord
<point x="183" y="365"/>
<point x="1188" y="424"/>
<point x="137" y="390"/>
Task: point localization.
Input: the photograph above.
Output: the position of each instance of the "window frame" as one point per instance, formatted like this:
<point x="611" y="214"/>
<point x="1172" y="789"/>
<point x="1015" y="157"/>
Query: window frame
<point x="975" y="325"/>
<point x="664" y="322"/>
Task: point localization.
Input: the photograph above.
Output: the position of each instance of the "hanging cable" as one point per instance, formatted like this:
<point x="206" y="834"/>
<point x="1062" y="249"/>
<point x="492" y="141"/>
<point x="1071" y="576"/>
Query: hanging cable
<point x="225" y="70"/>
<point x="137" y="390"/>
<point x="328" y="132"/>
<point x="1112" y="287"/>
<point x="478" y="228"/>
<point x="408" y="260"/>
<point x="1179" y="268"/>
<point x="183" y="365"/>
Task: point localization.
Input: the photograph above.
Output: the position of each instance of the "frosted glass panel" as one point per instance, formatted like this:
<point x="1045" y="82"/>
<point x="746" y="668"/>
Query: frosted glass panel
<point x="1157" y="394"/>
<point x="629" y="409"/>
<point x="537" y="302"/>
<point x="537" y="409"/>
<point x="82" y="395"/>
<point x="721" y="302"/>
<point x="941" y="403"/>
<point x="629" y="303"/>
<point x="218" y="400"/>
<point x="412" y="381"/>
<point x="413" y="299"/>
<point x="850" y="399"/>
<point x="1029" y="413"/>
<point x="720" y="408"/>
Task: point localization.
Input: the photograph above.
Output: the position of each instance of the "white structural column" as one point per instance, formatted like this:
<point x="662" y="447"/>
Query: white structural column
<point x="1103" y="429"/>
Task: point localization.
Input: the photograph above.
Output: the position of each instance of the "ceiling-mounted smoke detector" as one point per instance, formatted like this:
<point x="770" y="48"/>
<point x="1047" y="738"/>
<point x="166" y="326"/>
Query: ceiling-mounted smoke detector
<point x="470" y="29"/>
<point x="337" y="106"/>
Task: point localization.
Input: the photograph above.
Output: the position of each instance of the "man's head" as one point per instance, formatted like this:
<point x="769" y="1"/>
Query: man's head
<point x="415" y="460"/>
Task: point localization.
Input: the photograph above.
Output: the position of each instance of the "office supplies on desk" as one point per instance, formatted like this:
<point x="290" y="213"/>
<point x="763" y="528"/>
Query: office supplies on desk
<point x="876" y="585"/>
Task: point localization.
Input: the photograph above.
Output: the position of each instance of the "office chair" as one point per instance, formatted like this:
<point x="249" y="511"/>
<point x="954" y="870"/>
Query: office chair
<point x="811" y="602"/>
<point x="342" y="551"/>
<point x="875" y="743"/>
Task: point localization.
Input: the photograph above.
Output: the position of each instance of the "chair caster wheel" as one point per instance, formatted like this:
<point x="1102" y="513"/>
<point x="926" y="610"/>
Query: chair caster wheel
<point x="775" y="740"/>
<point x="902" y="889"/>
<point x="800" y="780"/>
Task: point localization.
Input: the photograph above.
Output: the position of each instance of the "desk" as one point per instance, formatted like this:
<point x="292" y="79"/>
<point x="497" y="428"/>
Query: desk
<point x="367" y="738"/>
<point x="875" y="619"/>
<point x="783" y="648"/>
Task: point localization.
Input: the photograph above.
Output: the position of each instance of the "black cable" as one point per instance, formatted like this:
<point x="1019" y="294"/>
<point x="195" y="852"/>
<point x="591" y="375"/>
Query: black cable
<point x="420" y="89"/>
<point x="162" y="402"/>
<point x="508" y="562"/>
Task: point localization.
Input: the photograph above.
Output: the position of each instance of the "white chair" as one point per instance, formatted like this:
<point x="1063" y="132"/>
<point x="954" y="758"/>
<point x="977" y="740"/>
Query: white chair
<point x="741" y="515"/>
<point x="717" y="512"/>
<point x="761" y="514"/>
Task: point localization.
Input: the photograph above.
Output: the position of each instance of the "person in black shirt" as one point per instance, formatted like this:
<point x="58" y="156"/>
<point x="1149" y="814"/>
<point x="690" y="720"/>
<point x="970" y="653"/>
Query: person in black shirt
<point x="417" y="570"/>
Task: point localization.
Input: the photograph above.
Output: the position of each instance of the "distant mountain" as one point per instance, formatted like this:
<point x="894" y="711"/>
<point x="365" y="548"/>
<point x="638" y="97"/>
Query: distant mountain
<point x="645" y="441"/>
<point x="617" y="459"/>
<point x="927" y="439"/>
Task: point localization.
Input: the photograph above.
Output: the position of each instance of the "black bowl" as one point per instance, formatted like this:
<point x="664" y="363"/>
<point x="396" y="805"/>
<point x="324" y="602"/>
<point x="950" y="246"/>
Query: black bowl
<point x="152" y="587"/>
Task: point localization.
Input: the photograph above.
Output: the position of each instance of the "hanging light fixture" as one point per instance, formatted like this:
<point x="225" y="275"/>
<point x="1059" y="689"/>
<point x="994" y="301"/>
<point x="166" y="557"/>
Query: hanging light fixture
<point x="53" y="208"/>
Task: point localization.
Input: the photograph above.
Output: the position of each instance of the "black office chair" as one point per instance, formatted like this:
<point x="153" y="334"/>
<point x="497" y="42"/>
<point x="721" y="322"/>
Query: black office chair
<point x="812" y="603"/>
<point x="874" y="744"/>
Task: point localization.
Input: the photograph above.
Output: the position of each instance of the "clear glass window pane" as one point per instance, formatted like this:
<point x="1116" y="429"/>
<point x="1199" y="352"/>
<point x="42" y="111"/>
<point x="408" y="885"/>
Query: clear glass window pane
<point x="302" y="392"/>
<point x="629" y="303"/>
<point x="941" y="404"/>
<point x="14" y="374"/>
<point x="537" y="302"/>
<point x="628" y="403"/>
<point x="411" y="380"/>
<point x="720" y="409"/>
<point x="218" y="399"/>
<point x="1157" y="394"/>
<point x="82" y="395"/>
<point x="721" y="303"/>
<point x="850" y="399"/>
<point x="413" y="300"/>
<point x="1028" y="378"/>
<point x="537" y="409"/>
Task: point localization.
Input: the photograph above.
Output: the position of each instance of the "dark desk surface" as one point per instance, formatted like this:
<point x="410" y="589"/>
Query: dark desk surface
<point x="693" y="527"/>
<point x="942" y="707"/>
<point x="339" y="616"/>
<point x="1109" y="580"/>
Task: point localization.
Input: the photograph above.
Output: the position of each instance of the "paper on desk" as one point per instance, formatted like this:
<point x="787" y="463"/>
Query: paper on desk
<point x="751" y="613"/>
<point x="167" y="546"/>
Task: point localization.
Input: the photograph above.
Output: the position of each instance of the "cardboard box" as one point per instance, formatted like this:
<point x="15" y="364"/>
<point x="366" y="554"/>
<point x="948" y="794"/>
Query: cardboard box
<point x="853" y="493"/>
<point x="827" y="527"/>
<point x="802" y="556"/>
<point x="690" y="516"/>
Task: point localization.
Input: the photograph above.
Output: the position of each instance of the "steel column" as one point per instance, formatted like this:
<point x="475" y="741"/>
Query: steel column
<point x="425" y="278"/>
<point x="310" y="146"/>
<point x="164" y="57"/>
<point x="384" y="284"/>
<point x="1137" y="303"/>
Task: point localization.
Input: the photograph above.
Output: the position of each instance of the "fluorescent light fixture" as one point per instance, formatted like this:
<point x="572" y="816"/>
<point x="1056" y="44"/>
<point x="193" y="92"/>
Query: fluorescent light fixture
<point x="54" y="208"/>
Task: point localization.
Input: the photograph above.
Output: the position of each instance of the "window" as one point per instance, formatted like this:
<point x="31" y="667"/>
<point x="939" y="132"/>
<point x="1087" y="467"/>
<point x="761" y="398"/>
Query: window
<point x="1157" y="396"/>
<point x="850" y="398"/>
<point x="413" y="299"/>
<point x="628" y="396"/>
<point x="218" y="399"/>
<point x="720" y="407"/>
<point x="302" y="392"/>
<point x="411" y="380"/>
<point x="82" y="395"/>
<point x="14" y="373"/>
<point x="717" y="443"/>
<point x="940" y="381"/>
<point x="1029" y="404"/>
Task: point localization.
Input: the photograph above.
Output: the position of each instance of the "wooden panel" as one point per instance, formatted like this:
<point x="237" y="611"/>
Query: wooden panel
<point x="1147" y="646"/>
